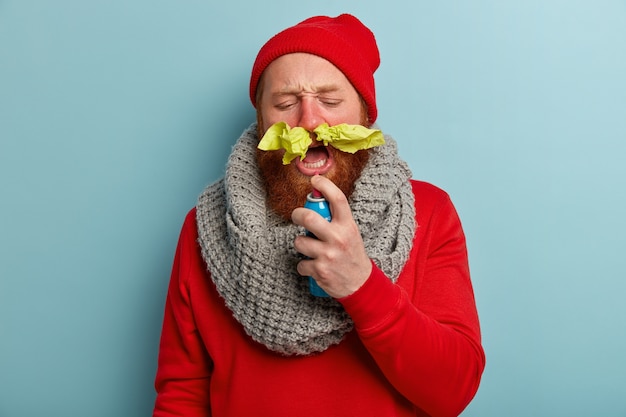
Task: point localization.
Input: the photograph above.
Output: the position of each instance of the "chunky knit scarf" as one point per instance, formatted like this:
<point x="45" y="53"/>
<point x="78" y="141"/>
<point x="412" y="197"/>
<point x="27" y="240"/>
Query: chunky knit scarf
<point x="251" y="258"/>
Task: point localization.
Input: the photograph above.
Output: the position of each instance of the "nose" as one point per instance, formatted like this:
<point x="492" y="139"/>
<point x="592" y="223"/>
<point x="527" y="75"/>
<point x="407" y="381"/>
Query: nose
<point x="310" y="117"/>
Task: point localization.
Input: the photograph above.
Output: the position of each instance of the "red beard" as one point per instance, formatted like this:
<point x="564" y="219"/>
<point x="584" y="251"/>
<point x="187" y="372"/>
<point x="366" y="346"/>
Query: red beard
<point x="287" y="188"/>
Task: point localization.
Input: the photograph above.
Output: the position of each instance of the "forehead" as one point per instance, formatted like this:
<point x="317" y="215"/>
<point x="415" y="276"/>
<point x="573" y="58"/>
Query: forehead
<point x="304" y="71"/>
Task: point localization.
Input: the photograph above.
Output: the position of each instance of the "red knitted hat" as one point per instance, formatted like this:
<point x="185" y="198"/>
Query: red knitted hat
<point x="342" y="40"/>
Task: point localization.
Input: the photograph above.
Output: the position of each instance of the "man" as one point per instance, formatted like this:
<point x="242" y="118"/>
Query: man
<point x="242" y="336"/>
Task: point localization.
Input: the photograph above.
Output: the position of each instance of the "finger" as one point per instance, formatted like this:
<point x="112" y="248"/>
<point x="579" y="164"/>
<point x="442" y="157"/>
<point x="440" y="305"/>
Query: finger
<point x="305" y="268"/>
<point x="308" y="246"/>
<point x="310" y="220"/>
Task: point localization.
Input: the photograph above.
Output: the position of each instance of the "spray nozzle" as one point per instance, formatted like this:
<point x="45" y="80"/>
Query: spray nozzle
<point x="316" y="193"/>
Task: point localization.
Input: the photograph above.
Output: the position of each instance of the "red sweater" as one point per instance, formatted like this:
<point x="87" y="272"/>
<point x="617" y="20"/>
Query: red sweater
<point x="415" y="350"/>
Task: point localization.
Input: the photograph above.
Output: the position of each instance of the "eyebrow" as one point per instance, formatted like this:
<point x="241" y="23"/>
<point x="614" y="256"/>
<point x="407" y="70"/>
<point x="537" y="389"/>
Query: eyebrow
<point x="288" y="90"/>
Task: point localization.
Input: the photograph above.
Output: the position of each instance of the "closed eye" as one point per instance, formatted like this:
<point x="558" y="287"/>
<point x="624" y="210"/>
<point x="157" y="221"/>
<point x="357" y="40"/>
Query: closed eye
<point x="330" y="102"/>
<point x="285" y="105"/>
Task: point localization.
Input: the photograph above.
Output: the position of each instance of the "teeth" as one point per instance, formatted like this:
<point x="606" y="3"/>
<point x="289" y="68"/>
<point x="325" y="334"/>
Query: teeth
<point x="314" y="165"/>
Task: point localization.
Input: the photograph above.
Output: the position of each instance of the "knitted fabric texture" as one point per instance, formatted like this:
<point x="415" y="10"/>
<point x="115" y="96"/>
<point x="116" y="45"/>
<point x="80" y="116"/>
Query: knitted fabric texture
<point x="250" y="254"/>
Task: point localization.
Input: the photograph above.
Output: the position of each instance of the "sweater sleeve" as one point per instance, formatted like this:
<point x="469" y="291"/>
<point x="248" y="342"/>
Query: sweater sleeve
<point x="424" y="335"/>
<point x="184" y="368"/>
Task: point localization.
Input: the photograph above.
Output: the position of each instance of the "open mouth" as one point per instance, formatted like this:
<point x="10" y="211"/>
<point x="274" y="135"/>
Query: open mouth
<point x="318" y="160"/>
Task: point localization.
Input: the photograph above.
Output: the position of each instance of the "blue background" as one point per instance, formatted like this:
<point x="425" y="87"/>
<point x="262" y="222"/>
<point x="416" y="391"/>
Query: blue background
<point x="115" y="114"/>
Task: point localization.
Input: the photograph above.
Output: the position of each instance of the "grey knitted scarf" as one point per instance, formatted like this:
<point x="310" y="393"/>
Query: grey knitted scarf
<point x="250" y="254"/>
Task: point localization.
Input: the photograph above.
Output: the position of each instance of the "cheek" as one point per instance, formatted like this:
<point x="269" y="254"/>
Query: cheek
<point x="351" y="115"/>
<point x="268" y="118"/>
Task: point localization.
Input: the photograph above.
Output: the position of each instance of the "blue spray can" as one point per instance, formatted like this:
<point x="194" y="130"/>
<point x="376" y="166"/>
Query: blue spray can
<point x="316" y="202"/>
